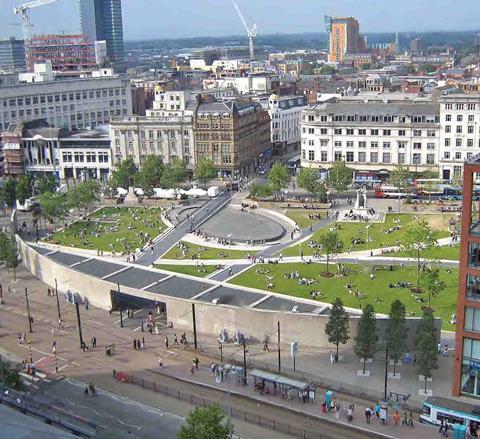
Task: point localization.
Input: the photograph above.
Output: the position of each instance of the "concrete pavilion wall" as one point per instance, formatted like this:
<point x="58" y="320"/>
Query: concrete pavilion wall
<point x="308" y="329"/>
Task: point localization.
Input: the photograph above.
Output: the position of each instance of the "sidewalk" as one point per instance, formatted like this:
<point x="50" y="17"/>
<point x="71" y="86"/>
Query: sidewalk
<point x="203" y="377"/>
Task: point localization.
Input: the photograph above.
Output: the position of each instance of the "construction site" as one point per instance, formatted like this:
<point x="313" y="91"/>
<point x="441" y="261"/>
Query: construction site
<point x="67" y="53"/>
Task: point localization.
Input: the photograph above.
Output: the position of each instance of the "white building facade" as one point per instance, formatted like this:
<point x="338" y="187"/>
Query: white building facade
<point x="285" y="120"/>
<point x="459" y="132"/>
<point x="68" y="103"/>
<point x="372" y="138"/>
<point x="166" y="131"/>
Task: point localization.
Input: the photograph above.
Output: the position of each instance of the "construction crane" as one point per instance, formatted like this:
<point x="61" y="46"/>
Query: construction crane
<point x="251" y="32"/>
<point x="24" y="11"/>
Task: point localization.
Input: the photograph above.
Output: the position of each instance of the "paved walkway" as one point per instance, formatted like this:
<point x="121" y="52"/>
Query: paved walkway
<point x="169" y="239"/>
<point x="203" y="376"/>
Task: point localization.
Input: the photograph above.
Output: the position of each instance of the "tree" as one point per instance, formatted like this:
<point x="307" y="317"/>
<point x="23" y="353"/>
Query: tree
<point x="53" y="205"/>
<point x="178" y="169"/>
<point x="432" y="283"/>
<point x="419" y="239"/>
<point x="84" y="194"/>
<point x="308" y="179"/>
<point x="426" y="346"/>
<point x="205" y="170"/>
<point x="366" y="339"/>
<point x="397" y="332"/>
<point x="327" y="70"/>
<point x="24" y="188"/>
<point x="338" y="325"/>
<point x="278" y="177"/>
<point x="428" y="68"/>
<point x="11" y="192"/>
<point x="339" y="176"/>
<point x="331" y="244"/>
<point x="9" y="252"/>
<point x="124" y="174"/>
<point x="46" y="184"/>
<point x="399" y="178"/>
<point x="410" y="69"/>
<point x="150" y="174"/>
<point x="366" y="66"/>
<point x="205" y="423"/>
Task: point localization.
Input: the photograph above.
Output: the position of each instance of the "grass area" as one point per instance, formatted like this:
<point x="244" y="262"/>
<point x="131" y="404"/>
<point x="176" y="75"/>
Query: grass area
<point x="186" y="250"/>
<point x="378" y="235"/>
<point x="300" y="216"/>
<point x="443" y="252"/>
<point x="374" y="291"/>
<point x="192" y="270"/>
<point x="124" y="228"/>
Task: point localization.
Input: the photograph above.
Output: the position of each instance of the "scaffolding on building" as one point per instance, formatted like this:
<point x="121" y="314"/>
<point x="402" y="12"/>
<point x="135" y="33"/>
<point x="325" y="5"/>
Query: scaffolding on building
<point x="68" y="53"/>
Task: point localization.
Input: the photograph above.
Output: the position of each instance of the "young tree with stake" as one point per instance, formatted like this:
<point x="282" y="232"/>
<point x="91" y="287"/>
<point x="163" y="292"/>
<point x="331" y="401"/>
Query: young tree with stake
<point x="338" y="325"/>
<point x="397" y="332"/>
<point x="366" y="339"/>
<point x="426" y="345"/>
<point x="331" y="244"/>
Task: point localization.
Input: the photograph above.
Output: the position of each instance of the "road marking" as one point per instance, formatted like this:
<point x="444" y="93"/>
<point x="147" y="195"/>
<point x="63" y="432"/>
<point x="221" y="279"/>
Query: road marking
<point x="63" y="367"/>
<point x="51" y="355"/>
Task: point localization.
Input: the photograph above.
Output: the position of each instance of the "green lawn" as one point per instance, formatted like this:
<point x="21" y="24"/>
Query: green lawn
<point x="192" y="270"/>
<point x="443" y="252"/>
<point x="378" y="235"/>
<point x="119" y="226"/>
<point x="194" y="251"/>
<point x="374" y="291"/>
<point x="300" y="216"/>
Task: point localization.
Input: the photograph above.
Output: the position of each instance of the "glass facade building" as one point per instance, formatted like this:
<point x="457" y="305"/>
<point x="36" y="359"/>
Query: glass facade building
<point x="101" y="20"/>
<point x="12" y="54"/>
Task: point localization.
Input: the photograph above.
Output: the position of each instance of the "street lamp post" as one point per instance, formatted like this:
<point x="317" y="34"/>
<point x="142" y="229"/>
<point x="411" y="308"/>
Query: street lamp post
<point x="386" y="374"/>
<point x="221" y="351"/>
<point x="244" y="363"/>
<point x="28" y="311"/>
<point x="278" y="348"/>
<point x="79" y="324"/>
<point x="58" y="303"/>
<point x="30" y="351"/>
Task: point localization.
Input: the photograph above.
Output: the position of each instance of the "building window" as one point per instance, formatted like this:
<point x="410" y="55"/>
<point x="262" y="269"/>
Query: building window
<point x="338" y="156"/>
<point x="459" y="118"/>
<point x="78" y="157"/>
<point x="446" y="155"/>
<point x="448" y="128"/>
<point x="470" y="367"/>
<point x="458" y="143"/>
<point x="387" y="132"/>
<point x="401" y="158"/>
<point x="448" y="118"/>
<point x="374" y="157"/>
<point x="470" y="142"/>
<point x="401" y="133"/>
<point x="417" y="145"/>
<point x="447" y="142"/>
<point x="362" y="157"/>
<point x="323" y="156"/>
<point x="362" y="144"/>
<point x="459" y="129"/>
<point x="103" y="157"/>
<point x="430" y="159"/>
<point x="416" y="159"/>
<point x="417" y="133"/>
<point x="362" y="132"/>
<point x="374" y="132"/>
<point x="67" y="157"/>
<point x="338" y="144"/>
<point x="323" y="131"/>
<point x="373" y="144"/>
<point x="386" y="157"/>
<point x="350" y="157"/>
<point x="91" y="157"/>
<point x="311" y="155"/>
<point x="386" y="145"/>
<point x="349" y="131"/>
<point x="349" y="144"/>
<point x="338" y="131"/>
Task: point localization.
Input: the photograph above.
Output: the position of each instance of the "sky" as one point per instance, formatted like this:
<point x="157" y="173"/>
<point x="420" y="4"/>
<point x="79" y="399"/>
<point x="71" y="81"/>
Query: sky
<point x="148" y="19"/>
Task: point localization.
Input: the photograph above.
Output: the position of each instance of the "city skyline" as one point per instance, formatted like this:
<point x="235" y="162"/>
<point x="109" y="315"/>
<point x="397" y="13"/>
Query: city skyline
<point x="163" y="21"/>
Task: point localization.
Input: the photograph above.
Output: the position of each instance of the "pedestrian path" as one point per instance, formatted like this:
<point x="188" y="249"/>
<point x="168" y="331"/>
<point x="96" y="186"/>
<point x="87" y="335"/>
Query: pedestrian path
<point x="204" y="377"/>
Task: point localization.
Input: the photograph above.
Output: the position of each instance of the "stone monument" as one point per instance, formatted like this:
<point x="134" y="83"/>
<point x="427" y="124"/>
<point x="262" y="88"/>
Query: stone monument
<point x="130" y="198"/>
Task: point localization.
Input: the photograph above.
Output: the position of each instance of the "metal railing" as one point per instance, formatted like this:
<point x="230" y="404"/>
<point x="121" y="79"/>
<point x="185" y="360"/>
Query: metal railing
<point x="200" y="401"/>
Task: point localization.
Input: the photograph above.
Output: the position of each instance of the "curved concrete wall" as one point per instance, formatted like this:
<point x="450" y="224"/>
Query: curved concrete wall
<point x="308" y="329"/>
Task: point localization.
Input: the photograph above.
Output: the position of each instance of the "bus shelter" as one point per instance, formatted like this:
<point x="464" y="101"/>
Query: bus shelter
<point x="270" y="383"/>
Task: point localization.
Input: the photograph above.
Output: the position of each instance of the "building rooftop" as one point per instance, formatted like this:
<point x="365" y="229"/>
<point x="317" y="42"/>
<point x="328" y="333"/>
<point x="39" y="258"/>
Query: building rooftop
<point x="230" y="107"/>
<point x="375" y="108"/>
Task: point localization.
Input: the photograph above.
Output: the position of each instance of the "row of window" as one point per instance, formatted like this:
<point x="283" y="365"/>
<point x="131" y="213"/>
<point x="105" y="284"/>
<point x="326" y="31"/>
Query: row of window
<point x="457" y="156"/>
<point x="470" y="107"/>
<point x="373" y="145"/>
<point x="459" y="143"/>
<point x="371" y="132"/>
<point x="371" y="118"/>
<point x="63" y="97"/>
<point x="87" y="157"/>
<point x="459" y="118"/>
<point x="459" y="129"/>
<point x="374" y="157"/>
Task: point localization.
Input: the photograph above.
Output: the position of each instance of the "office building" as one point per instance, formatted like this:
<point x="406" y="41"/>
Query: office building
<point x="459" y="132"/>
<point x="12" y="54"/>
<point x="372" y="138"/>
<point x="66" y="53"/>
<point x="344" y="37"/>
<point x="70" y="103"/>
<point x="234" y="134"/>
<point x="285" y="121"/>
<point x="165" y="131"/>
<point x="101" y="20"/>
<point x="466" y="366"/>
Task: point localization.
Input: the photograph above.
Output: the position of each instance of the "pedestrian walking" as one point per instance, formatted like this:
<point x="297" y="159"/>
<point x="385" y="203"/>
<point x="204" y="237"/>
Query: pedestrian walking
<point x="377" y="410"/>
<point x="396" y="417"/>
<point x="166" y="342"/>
<point x="85" y="392"/>
<point x="405" y="419"/>
<point x="439" y="347"/>
<point x="160" y="363"/>
<point x="445" y="429"/>
<point x="156" y="329"/>
<point x="445" y="350"/>
<point x="196" y="361"/>
<point x="410" y="419"/>
<point x="175" y="339"/>
<point x="332" y="357"/>
<point x="229" y="271"/>
<point x="143" y="342"/>
<point x="414" y="359"/>
<point x="135" y="343"/>
<point x="142" y="345"/>
<point x="94" y="342"/>
<point x="442" y="426"/>
<point x="368" y="414"/>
